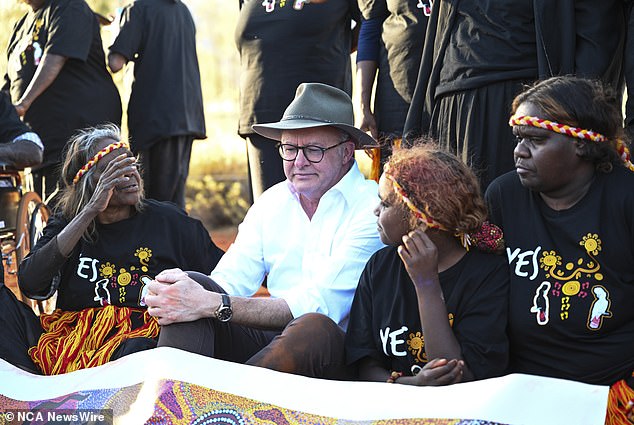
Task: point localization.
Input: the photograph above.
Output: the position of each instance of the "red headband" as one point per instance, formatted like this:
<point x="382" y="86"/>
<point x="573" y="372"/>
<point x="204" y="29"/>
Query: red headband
<point x="105" y="151"/>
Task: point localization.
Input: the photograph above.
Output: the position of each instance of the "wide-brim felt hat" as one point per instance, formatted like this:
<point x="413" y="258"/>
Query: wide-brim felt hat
<point x="318" y="105"/>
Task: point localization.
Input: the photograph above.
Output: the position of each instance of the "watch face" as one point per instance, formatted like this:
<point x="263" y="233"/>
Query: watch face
<point x="224" y="313"/>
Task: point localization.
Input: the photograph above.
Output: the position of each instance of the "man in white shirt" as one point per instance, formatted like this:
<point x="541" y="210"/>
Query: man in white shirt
<point x="309" y="236"/>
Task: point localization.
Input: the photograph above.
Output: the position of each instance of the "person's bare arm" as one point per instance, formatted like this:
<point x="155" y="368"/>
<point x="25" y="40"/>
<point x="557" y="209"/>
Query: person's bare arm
<point x="366" y="74"/>
<point x="116" y="61"/>
<point x="174" y="297"/>
<point x="261" y="312"/>
<point x="420" y="257"/>
<point x="46" y="72"/>
<point x="372" y="370"/>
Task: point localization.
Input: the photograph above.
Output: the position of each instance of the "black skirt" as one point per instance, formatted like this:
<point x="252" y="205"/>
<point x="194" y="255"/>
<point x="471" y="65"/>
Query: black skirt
<point x="473" y="124"/>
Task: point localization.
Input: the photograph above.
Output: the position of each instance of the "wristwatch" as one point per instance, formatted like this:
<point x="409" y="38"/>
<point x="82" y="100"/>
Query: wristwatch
<point x="224" y="311"/>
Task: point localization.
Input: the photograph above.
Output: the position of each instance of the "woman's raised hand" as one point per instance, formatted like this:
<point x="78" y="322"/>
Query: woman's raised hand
<point x="117" y="171"/>
<point x="420" y="256"/>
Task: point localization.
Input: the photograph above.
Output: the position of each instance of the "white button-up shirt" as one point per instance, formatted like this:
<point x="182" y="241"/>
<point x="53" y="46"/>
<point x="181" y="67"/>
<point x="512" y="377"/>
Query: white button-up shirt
<point x="314" y="265"/>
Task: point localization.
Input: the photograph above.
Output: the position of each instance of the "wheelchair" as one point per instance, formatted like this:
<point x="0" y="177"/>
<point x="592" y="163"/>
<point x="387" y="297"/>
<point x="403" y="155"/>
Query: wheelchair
<point x="23" y="216"/>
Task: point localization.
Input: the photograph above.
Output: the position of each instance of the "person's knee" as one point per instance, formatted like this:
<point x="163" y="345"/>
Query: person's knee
<point x="308" y="333"/>
<point x="205" y="281"/>
<point x="316" y="327"/>
<point x="195" y="337"/>
<point x="310" y="345"/>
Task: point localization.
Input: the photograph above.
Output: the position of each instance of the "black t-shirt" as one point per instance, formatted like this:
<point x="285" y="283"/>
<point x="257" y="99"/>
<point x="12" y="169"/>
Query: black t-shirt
<point x="10" y="124"/>
<point x="385" y="321"/>
<point x="166" y="99"/>
<point x="572" y="279"/>
<point x="293" y="42"/>
<point x="490" y="41"/>
<point x="83" y="94"/>
<point x="113" y="269"/>
<point x="401" y="47"/>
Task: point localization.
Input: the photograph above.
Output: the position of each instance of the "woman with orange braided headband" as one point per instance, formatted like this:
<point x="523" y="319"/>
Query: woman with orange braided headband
<point x="431" y="307"/>
<point x="101" y="248"/>
<point x="568" y="218"/>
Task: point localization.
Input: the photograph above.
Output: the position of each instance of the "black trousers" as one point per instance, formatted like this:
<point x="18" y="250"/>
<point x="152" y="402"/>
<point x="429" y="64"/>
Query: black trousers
<point x="165" y="167"/>
<point x="310" y="345"/>
<point x="265" y="164"/>
<point x="19" y="330"/>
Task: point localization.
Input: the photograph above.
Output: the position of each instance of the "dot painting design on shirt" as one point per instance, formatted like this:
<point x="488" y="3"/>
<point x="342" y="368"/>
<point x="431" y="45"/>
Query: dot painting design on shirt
<point x="416" y="346"/>
<point x="425" y="6"/>
<point x="269" y="5"/>
<point x="114" y="280"/>
<point x="600" y="307"/>
<point x="30" y="47"/>
<point x="541" y="305"/>
<point x="573" y="281"/>
<point x="590" y="268"/>
<point x="144" y="255"/>
<point x="416" y="343"/>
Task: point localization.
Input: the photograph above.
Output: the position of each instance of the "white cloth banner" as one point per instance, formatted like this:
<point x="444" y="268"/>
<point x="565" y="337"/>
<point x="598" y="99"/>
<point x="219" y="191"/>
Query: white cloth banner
<point x="514" y="399"/>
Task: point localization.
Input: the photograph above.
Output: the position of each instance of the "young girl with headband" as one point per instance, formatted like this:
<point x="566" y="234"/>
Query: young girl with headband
<point x="98" y="252"/>
<point x="568" y="218"/>
<point x="431" y="307"/>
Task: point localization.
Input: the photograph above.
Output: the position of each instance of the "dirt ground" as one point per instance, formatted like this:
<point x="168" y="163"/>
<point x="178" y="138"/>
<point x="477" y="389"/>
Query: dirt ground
<point x="223" y="237"/>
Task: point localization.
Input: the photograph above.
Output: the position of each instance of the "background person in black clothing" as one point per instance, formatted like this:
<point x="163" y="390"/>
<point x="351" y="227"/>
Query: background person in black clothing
<point x="478" y="54"/>
<point x="389" y="51"/>
<point x="57" y="77"/>
<point x="165" y="113"/>
<point x="428" y="309"/>
<point x="283" y="43"/>
<point x="568" y="218"/>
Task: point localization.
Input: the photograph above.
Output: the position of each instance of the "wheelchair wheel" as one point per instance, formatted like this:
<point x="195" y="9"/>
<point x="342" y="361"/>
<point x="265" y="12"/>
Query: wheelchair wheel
<point x="32" y="217"/>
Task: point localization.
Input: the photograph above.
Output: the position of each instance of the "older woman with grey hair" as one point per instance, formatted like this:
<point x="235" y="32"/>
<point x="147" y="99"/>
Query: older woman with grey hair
<point x="98" y="252"/>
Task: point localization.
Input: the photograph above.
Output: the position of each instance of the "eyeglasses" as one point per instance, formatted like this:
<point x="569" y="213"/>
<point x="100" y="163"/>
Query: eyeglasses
<point x="312" y="153"/>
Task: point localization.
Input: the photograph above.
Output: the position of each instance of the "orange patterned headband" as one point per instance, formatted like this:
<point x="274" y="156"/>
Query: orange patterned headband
<point x="488" y="238"/>
<point x="465" y="239"/>
<point x="578" y="133"/>
<point x="567" y="130"/>
<point x="425" y="218"/>
<point x="105" y="151"/>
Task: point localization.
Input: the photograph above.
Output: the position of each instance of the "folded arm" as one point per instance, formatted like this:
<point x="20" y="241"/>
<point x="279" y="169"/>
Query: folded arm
<point x="21" y="153"/>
